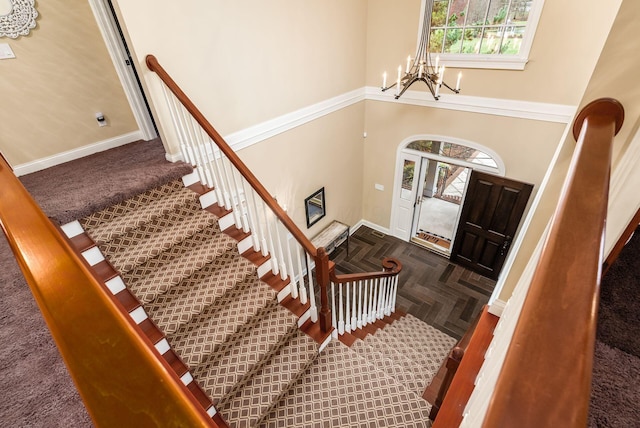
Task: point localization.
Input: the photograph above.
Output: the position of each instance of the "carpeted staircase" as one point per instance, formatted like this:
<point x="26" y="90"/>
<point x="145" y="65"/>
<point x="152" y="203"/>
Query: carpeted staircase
<point x="243" y="348"/>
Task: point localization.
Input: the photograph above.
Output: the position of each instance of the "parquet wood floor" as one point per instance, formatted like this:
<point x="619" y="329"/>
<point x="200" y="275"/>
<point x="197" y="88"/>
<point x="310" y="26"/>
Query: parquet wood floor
<point x="431" y="288"/>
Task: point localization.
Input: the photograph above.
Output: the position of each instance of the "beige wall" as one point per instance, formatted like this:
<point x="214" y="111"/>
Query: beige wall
<point x="61" y="76"/>
<point x="525" y="146"/>
<point x="250" y="60"/>
<point x="614" y="76"/>
<point x="568" y="42"/>
<point x="327" y="153"/>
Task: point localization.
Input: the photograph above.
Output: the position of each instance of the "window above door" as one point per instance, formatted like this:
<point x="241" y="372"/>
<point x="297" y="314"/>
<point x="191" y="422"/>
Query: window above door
<point x="452" y="151"/>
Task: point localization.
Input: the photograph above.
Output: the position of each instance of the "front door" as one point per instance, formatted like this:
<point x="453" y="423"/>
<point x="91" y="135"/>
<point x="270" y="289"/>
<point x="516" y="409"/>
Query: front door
<point x="490" y="216"/>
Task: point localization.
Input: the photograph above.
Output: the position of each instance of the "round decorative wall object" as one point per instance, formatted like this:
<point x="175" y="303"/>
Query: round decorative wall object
<point x="17" y="17"/>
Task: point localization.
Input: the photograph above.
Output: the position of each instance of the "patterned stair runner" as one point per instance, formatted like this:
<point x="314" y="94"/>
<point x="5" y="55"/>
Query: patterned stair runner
<point x="243" y="348"/>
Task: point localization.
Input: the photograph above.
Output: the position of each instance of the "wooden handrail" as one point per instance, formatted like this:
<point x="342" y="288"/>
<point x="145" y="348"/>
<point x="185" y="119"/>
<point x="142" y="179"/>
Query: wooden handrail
<point x="154" y="66"/>
<point x="546" y="377"/>
<point x="118" y="372"/>
<point x="390" y="267"/>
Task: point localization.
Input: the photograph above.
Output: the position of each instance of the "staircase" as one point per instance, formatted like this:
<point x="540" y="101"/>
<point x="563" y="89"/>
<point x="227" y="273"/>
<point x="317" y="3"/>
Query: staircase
<point x="212" y="316"/>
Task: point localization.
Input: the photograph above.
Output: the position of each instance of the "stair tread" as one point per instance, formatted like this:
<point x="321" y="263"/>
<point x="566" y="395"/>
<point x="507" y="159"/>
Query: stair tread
<point x="187" y="261"/>
<point x="347" y="391"/>
<point x="393" y="350"/>
<point x="245" y="351"/>
<point x="192" y="296"/>
<point x="389" y="365"/>
<point x="151" y="239"/>
<point x="428" y="341"/>
<point x="108" y="225"/>
<point x="131" y="204"/>
<point x="426" y="362"/>
<point x="254" y="395"/>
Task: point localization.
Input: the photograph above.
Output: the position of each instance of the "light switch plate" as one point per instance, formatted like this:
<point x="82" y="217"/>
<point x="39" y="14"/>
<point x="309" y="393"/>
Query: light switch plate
<point x="6" y="52"/>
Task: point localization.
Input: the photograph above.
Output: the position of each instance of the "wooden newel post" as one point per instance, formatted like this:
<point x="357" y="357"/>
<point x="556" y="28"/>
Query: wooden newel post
<point x="322" y="274"/>
<point x="453" y="362"/>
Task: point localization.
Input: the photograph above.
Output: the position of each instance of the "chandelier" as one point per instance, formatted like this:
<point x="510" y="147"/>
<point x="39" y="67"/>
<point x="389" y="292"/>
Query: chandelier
<point x="421" y="68"/>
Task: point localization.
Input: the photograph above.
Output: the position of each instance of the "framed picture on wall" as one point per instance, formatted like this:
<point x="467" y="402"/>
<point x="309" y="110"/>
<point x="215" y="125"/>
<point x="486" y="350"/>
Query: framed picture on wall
<point x="315" y="207"/>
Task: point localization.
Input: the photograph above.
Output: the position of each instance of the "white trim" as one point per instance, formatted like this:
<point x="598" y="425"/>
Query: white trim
<point x="247" y="137"/>
<point x="623" y="196"/>
<point x="262" y="131"/>
<point x="497" y="307"/>
<point x="370" y="225"/>
<point x="80" y="152"/>
<point x="117" y="52"/>
<point x="557" y="113"/>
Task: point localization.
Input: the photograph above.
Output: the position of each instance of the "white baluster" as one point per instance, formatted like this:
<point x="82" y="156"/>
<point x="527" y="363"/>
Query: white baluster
<point x="244" y="221"/>
<point x="354" y="309"/>
<point x="347" y="306"/>
<point x="197" y="135"/>
<point x="333" y="311"/>
<point x="222" y="186"/>
<point x="312" y="293"/>
<point x="303" y="289"/>
<point x="211" y="160"/>
<point x="341" y="311"/>
<point x="260" y="222"/>
<point x="186" y="125"/>
<point x="275" y="268"/>
<point x="283" y="266"/>
<point x="360" y="302"/>
<point x="172" y="111"/>
<point x="374" y="300"/>
<point x="251" y="213"/>
<point x="293" y="283"/>
<point x="381" y="288"/>
<point x="230" y="201"/>
<point x="394" y="294"/>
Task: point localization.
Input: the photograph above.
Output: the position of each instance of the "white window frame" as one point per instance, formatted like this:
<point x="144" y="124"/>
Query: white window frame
<point x="496" y="61"/>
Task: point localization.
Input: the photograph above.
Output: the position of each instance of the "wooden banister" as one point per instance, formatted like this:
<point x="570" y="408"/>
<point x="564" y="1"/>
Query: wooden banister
<point x="118" y="372"/>
<point x="546" y="377"/>
<point x="390" y="267"/>
<point x="154" y="66"/>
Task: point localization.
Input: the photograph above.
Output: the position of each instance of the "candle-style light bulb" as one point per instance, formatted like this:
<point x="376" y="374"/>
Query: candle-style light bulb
<point x="458" y="82"/>
<point x="437" y="62"/>
<point x="398" y="82"/>
<point x="384" y="80"/>
<point x="408" y="64"/>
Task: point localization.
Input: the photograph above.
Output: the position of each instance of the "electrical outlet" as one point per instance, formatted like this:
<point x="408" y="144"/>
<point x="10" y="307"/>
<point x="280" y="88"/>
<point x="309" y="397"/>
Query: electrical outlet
<point x="102" y="120"/>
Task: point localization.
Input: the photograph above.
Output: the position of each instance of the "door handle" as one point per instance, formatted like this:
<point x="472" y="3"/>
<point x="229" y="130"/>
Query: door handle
<point x="505" y="245"/>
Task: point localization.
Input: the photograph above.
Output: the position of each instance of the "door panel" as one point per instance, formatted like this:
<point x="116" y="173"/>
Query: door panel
<point x="406" y="195"/>
<point x="490" y="216"/>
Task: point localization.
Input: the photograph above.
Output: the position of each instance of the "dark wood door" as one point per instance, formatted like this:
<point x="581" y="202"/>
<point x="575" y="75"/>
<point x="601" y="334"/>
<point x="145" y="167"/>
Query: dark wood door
<point x="489" y="219"/>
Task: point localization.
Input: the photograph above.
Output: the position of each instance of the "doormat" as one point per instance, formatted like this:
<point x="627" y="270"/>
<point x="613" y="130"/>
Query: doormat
<point x="434" y="239"/>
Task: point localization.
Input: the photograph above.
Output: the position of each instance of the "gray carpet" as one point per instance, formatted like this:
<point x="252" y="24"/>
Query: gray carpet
<point x="616" y="366"/>
<point x="37" y="390"/>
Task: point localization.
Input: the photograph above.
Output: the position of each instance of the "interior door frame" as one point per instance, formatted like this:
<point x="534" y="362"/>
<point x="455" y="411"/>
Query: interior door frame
<point x="117" y="52"/>
<point x="401" y="153"/>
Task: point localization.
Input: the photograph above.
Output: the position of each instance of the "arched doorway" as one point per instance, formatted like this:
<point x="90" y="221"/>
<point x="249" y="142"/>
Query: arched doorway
<point x="432" y="176"/>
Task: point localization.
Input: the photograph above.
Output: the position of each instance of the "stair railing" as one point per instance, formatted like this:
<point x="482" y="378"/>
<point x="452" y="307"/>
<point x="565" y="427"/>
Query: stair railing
<point x="545" y="379"/>
<point x="360" y="299"/>
<point x="292" y="255"/>
<point x="113" y="364"/>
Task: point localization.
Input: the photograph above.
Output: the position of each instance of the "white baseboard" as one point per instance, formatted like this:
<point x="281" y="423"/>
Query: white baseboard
<point x="60" y="158"/>
<point x="367" y="223"/>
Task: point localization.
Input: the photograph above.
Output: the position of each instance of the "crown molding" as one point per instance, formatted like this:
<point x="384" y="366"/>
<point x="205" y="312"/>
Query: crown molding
<point x="558" y="113"/>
